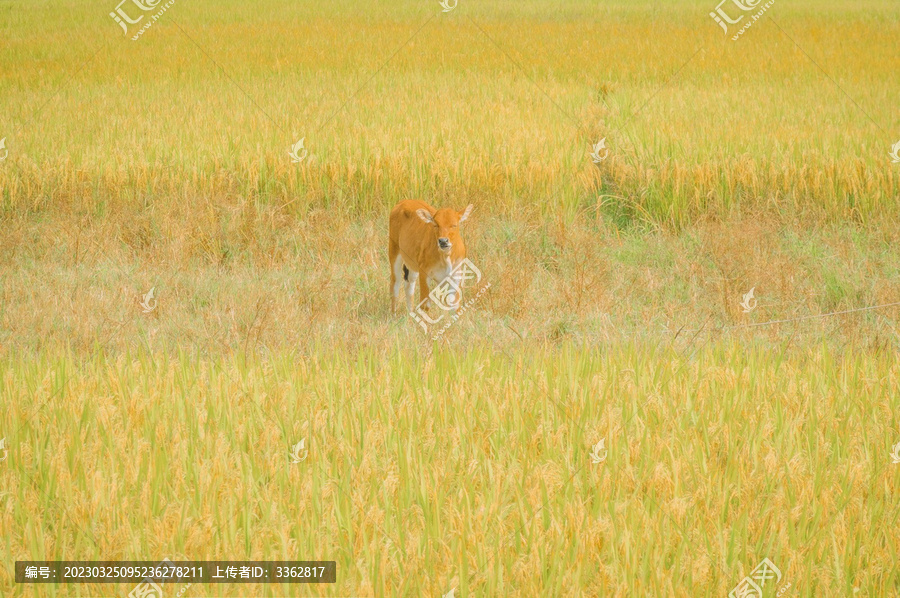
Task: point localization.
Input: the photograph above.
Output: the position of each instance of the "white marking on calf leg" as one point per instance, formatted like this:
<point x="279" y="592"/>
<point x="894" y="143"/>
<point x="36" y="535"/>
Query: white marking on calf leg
<point x="458" y="283"/>
<point x="411" y="289"/>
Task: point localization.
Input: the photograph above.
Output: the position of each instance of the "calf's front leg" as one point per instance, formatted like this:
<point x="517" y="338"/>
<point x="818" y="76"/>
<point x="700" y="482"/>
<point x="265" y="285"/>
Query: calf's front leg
<point x="423" y="287"/>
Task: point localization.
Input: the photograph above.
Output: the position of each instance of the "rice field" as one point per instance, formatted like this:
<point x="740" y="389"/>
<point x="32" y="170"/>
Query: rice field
<point x="686" y="360"/>
<point x="469" y="470"/>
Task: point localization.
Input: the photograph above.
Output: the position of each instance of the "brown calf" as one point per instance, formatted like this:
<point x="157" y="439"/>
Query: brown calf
<point x="424" y="246"/>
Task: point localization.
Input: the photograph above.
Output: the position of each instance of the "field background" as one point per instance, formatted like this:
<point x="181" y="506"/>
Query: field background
<point x="613" y="311"/>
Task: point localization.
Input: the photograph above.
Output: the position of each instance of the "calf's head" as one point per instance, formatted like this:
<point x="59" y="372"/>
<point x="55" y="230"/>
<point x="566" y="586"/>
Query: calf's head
<point x="446" y="225"/>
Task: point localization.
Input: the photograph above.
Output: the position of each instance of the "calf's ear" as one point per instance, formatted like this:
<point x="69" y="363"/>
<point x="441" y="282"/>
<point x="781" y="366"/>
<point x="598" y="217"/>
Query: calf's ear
<point x="424" y="215"/>
<point x="465" y="213"/>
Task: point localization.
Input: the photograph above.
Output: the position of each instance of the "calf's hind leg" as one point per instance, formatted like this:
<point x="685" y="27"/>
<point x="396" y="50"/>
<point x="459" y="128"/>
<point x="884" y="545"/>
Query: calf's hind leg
<point x="397" y="280"/>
